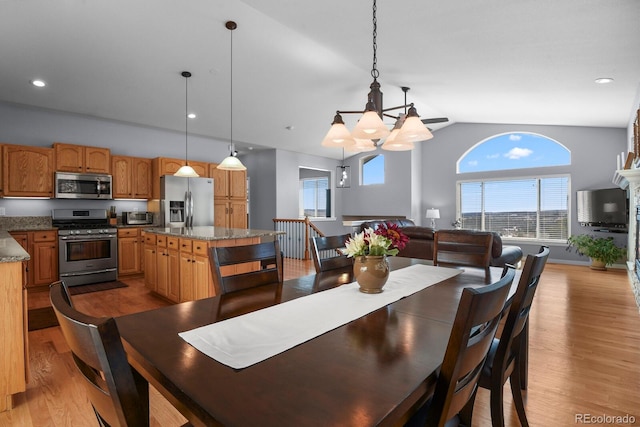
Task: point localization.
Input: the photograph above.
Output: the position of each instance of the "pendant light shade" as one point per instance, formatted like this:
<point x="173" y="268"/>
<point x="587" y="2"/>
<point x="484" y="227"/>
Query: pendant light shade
<point x="186" y="171"/>
<point x="370" y="126"/>
<point x="360" y="146"/>
<point x="413" y="129"/>
<point x="338" y="135"/>
<point x="231" y="163"/>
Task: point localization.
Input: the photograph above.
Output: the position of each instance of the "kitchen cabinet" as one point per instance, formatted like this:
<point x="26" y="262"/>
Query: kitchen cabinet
<point x="229" y="213"/>
<point x="150" y="262"/>
<point x="83" y="159"/>
<point x="230" y="197"/>
<point x="1" y="178"/>
<point x="168" y="166"/>
<point x="178" y="268"/>
<point x="45" y="257"/>
<point x="131" y="177"/>
<point x="168" y="268"/>
<point x="13" y="334"/>
<point x="42" y="246"/>
<point x="195" y="274"/>
<point x="130" y="251"/>
<point x="27" y="171"/>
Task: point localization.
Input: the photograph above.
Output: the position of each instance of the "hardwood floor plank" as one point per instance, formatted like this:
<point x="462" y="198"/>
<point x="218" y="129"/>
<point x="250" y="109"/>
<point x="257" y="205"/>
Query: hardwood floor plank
<point x="584" y="355"/>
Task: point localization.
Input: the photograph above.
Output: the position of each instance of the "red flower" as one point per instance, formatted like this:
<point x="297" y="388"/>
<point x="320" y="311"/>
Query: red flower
<point x="392" y="232"/>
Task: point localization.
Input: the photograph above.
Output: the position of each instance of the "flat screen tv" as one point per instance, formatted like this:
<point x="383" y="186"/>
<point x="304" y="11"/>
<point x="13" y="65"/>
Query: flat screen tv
<point x="607" y="208"/>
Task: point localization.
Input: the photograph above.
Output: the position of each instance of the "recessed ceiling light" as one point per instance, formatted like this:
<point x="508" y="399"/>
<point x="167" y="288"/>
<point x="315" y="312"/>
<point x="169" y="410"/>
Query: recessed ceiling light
<point x="191" y="115"/>
<point x="604" y="80"/>
<point x="38" y="83"/>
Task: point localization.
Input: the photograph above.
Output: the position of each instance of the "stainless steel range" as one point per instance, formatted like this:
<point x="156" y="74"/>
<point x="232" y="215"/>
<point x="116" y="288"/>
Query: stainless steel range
<point x="88" y="246"/>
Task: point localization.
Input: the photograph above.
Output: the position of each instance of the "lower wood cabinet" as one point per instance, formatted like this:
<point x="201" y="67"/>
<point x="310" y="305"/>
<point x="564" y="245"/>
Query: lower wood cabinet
<point x="178" y="268"/>
<point x="42" y="246"/>
<point x="130" y="251"/>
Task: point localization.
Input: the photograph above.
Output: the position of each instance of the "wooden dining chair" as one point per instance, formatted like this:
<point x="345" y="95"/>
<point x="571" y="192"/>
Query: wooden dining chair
<point x="474" y="328"/>
<point x="118" y="394"/>
<point x="506" y="356"/>
<point x="266" y="255"/>
<point x="326" y="256"/>
<point x="462" y="248"/>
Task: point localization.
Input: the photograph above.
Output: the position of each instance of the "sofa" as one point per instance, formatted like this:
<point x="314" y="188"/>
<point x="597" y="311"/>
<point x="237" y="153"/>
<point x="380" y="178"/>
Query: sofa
<point x="420" y="243"/>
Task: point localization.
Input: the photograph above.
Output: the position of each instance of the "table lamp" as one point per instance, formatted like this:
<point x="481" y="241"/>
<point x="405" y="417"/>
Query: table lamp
<point x="433" y="214"/>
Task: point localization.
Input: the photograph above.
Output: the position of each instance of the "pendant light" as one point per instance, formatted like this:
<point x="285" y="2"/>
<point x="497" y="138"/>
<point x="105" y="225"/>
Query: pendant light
<point x="231" y="163"/>
<point x="186" y="170"/>
<point x="343" y="174"/>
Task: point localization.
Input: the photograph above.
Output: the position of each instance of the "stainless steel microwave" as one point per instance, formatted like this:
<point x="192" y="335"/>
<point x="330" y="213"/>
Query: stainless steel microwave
<point x="135" y="218"/>
<point x="82" y="186"/>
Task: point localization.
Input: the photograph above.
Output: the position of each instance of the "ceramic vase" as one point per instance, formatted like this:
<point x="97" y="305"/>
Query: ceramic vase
<point x="371" y="273"/>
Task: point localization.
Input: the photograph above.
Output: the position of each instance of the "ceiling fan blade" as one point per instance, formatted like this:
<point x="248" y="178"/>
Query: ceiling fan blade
<point x="436" y="120"/>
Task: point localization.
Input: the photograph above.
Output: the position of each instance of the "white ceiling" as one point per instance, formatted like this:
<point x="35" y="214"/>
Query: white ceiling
<point x="296" y="62"/>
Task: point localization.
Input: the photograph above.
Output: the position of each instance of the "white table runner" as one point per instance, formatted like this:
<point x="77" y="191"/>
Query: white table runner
<point x="251" y="338"/>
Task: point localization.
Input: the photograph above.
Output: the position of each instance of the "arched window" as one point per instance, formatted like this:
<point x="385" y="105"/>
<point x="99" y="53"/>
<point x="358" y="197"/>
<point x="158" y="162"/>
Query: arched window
<point x="525" y="207"/>
<point x="514" y="150"/>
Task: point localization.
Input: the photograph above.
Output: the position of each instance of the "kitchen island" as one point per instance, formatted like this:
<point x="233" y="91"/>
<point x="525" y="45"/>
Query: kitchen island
<point x="176" y="260"/>
<point x="13" y="320"/>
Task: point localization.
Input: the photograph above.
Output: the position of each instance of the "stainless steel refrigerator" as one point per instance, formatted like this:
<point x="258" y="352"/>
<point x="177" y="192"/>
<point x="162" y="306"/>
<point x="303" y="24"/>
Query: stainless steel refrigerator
<point x="186" y="202"/>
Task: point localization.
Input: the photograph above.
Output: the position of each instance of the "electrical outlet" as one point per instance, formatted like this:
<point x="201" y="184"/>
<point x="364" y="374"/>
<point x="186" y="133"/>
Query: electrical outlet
<point x="2" y="212"/>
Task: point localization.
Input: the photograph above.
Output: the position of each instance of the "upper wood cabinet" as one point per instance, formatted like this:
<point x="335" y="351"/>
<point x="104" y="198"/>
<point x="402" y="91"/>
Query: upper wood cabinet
<point x="27" y="171"/>
<point x="231" y="184"/>
<point x="80" y="158"/>
<point x="131" y="177"/>
<point x="230" y="197"/>
<point x="168" y="166"/>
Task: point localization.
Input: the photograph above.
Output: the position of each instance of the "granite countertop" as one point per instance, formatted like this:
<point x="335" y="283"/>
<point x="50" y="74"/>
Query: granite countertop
<point x="10" y="249"/>
<point x="213" y="233"/>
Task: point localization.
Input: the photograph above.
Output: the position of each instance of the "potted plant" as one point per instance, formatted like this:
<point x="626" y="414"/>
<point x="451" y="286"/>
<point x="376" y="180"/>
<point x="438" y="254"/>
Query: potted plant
<point x="602" y="250"/>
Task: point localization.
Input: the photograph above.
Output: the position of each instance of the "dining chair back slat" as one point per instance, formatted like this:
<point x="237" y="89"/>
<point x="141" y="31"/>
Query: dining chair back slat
<point x="325" y="252"/>
<point x="452" y="247"/>
<point x="267" y="255"/>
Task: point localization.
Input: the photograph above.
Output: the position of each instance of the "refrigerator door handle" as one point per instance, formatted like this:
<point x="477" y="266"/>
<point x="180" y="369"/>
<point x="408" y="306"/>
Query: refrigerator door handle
<point x="186" y="208"/>
<point x="190" y="209"/>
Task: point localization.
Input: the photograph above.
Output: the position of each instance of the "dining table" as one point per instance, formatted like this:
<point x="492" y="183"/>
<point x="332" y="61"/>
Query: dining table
<point x="375" y="370"/>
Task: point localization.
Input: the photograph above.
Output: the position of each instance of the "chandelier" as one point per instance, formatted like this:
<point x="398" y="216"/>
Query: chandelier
<point x="370" y="129"/>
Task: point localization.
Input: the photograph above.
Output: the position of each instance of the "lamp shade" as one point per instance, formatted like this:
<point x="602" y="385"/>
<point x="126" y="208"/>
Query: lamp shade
<point x="232" y="163"/>
<point x="187" y="172"/>
<point x="370" y="126"/>
<point x="395" y="143"/>
<point x="337" y="136"/>
<point x="433" y="213"/>
<point x="360" y="146"/>
<point x="414" y="130"/>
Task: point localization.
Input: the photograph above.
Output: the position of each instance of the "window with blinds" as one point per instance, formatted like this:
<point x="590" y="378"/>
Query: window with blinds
<point x="530" y="208"/>
<point x="315" y="197"/>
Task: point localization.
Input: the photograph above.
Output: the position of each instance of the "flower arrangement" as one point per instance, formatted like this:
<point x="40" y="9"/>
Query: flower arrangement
<point x="387" y="239"/>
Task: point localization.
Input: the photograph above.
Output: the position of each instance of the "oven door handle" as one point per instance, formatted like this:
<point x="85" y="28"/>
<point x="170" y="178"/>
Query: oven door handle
<point x="87" y="238"/>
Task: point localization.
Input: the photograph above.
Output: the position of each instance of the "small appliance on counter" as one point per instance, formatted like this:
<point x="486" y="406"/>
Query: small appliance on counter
<point x="137" y="218"/>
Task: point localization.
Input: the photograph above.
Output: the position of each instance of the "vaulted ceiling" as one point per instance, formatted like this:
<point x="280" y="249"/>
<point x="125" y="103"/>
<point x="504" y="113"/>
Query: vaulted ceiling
<point x="296" y="62"/>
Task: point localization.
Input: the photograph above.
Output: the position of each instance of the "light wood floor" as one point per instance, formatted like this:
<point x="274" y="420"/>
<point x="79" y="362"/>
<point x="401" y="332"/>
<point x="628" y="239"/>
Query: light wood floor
<point x="584" y="355"/>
